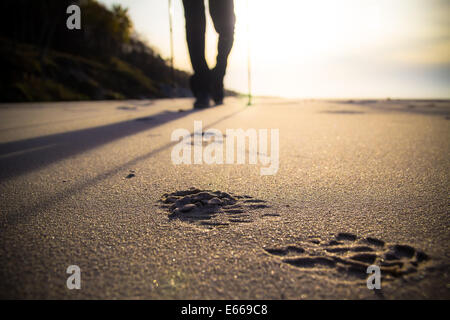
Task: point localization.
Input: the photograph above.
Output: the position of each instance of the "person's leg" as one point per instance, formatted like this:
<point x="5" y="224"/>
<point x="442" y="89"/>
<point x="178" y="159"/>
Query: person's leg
<point x="223" y="17"/>
<point x="222" y="14"/>
<point x="194" y="11"/>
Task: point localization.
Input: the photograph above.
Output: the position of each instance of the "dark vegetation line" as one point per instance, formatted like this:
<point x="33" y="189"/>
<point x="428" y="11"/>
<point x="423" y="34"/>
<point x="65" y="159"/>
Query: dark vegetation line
<point x="41" y="60"/>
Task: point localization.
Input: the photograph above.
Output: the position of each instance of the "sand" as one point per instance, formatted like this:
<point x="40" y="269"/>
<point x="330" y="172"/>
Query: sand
<point x="92" y="184"/>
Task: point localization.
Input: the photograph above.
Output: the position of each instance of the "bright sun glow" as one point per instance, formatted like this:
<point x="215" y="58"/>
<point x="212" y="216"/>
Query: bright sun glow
<point x="321" y="48"/>
<point x="324" y="47"/>
<point x="309" y="28"/>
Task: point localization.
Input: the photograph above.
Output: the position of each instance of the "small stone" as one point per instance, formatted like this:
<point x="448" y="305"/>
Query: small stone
<point x="186" y="192"/>
<point x="170" y="200"/>
<point x="215" y="201"/>
<point x="183" y="201"/>
<point x="228" y="201"/>
<point x="203" y="196"/>
<point x="188" y="207"/>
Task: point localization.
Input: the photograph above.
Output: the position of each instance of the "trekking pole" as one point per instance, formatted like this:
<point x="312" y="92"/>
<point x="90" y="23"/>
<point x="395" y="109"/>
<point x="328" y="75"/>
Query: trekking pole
<point x="249" y="65"/>
<point x="171" y="43"/>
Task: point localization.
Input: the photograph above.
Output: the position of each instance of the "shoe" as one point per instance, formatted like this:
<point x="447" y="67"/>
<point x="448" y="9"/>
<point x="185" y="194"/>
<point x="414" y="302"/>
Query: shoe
<point x="202" y="100"/>
<point x="200" y="93"/>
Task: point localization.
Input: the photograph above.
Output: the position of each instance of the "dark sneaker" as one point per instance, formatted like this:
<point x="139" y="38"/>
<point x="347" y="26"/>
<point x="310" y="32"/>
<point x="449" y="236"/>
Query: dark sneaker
<point x="218" y="101"/>
<point x="202" y="101"/>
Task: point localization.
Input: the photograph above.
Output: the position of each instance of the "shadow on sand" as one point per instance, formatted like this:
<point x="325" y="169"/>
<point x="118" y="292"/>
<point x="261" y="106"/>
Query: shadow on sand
<point x="27" y="155"/>
<point x="77" y="142"/>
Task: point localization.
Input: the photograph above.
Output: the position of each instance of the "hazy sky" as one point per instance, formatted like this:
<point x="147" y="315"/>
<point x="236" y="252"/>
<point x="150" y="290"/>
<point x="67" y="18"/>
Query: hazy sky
<point x="321" y="48"/>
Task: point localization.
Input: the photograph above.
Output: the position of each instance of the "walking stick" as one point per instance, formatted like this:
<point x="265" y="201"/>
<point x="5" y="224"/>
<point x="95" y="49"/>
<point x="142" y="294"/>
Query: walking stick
<point x="249" y="65"/>
<point x="171" y="44"/>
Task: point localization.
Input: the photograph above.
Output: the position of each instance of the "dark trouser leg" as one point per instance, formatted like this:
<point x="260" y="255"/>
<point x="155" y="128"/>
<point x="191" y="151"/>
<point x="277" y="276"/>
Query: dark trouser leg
<point x="194" y="11"/>
<point x="222" y="14"/>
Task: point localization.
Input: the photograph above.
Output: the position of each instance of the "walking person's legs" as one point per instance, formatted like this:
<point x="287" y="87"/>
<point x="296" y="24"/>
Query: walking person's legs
<point x="224" y="19"/>
<point x="194" y="11"/>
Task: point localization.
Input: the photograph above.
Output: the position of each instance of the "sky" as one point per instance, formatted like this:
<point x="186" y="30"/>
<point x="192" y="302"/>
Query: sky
<point x="320" y="48"/>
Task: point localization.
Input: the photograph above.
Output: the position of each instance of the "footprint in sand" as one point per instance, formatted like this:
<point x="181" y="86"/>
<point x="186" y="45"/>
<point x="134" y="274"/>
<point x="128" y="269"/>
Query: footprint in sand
<point x="206" y="138"/>
<point x="212" y="208"/>
<point x="352" y="255"/>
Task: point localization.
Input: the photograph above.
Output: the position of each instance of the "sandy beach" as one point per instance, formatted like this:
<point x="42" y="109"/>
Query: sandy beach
<point x="92" y="184"/>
